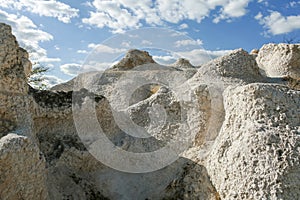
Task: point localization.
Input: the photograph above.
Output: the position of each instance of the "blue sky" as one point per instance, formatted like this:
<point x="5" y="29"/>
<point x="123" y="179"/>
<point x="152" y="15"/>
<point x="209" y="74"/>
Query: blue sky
<point x="61" y="34"/>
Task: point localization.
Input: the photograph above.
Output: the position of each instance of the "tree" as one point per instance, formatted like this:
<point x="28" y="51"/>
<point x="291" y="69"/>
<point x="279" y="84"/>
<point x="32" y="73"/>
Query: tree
<point x="36" y="77"/>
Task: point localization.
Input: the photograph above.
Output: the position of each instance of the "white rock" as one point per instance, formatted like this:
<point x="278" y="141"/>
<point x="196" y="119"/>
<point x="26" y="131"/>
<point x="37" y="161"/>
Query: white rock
<point x="280" y="60"/>
<point x="255" y="155"/>
<point x="22" y="169"/>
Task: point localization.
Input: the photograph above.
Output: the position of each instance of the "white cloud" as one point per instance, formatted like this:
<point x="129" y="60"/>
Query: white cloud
<point x="101" y="48"/>
<point x="92" y="45"/>
<point x="50" y="8"/>
<point x="51" y="80"/>
<point x="258" y="16"/>
<point x="110" y="14"/>
<point x="201" y="56"/>
<point x="164" y="60"/>
<point x="29" y="36"/>
<point x="93" y="65"/>
<point x="276" y="24"/>
<point x="146" y="42"/>
<point x="87" y="4"/>
<point x="45" y="59"/>
<point x="232" y="9"/>
<point x="120" y="15"/>
<point x="196" y="56"/>
<point x="264" y="2"/>
<point x="292" y="4"/>
<point x="82" y="51"/>
<point x="48" y="81"/>
<point x="126" y="44"/>
<point x="181" y="43"/>
<point x="183" y="26"/>
<point x="71" y="69"/>
<point x="175" y="11"/>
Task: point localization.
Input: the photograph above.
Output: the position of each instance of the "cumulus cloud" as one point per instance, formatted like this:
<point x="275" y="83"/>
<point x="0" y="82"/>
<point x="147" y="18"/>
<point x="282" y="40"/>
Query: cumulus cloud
<point x="92" y="45"/>
<point x="181" y="43"/>
<point x="50" y="8"/>
<point x="97" y="66"/>
<point x="233" y="9"/>
<point x="50" y="80"/>
<point x="29" y="36"/>
<point x="201" y="56"/>
<point x="196" y="56"/>
<point x="183" y="26"/>
<point x="71" y="69"/>
<point x="101" y="48"/>
<point x="164" y="60"/>
<point x="120" y="15"/>
<point x="277" y="24"/>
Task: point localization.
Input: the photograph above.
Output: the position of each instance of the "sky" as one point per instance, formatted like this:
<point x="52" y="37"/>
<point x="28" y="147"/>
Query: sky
<point x="63" y="34"/>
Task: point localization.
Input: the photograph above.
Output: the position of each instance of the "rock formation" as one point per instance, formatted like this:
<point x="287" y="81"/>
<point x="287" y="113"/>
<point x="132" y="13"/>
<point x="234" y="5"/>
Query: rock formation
<point x="134" y="58"/>
<point x="245" y="128"/>
<point x="280" y="60"/>
<point x="183" y="63"/>
<point x="256" y="155"/>
<point x="13" y="86"/>
<point x="22" y="169"/>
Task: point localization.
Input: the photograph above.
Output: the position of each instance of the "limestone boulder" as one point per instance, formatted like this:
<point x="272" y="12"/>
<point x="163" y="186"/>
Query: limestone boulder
<point x="256" y="154"/>
<point x="280" y="60"/>
<point x="22" y="169"/>
<point x="237" y="67"/>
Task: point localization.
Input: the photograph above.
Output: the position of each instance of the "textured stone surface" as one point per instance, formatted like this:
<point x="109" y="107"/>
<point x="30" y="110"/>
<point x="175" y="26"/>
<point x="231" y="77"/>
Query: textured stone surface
<point x="280" y="60"/>
<point x="13" y="85"/>
<point x="22" y="169"/>
<point x="238" y="66"/>
<point x="193" y="183"/>
<point x="254" y="52"/>
<point x="256" y="155"/>
<point x="134" y="58"/>
<point x="292" y="83"/>
<point x="14" y="63"/>
<point x="183" y="63"/>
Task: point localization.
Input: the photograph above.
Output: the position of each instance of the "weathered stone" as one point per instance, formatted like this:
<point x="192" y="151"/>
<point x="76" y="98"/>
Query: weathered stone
<point x="134" y="58"/>
<point x="22" y="169"/>
<point x="254" y="52"/>
<point x="14" y="101"/>
<point x="280" y="60"/>
<point x="183" y="63"/>
<point x="238" y="66"/>
<point x="256" y="155"/>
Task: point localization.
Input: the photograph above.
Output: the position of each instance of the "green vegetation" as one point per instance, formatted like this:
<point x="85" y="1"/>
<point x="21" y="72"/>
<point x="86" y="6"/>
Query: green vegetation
<point x="36" y="78"/>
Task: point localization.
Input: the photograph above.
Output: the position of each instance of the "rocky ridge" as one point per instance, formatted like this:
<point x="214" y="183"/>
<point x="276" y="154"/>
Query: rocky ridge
<point x="246" y="129"/>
